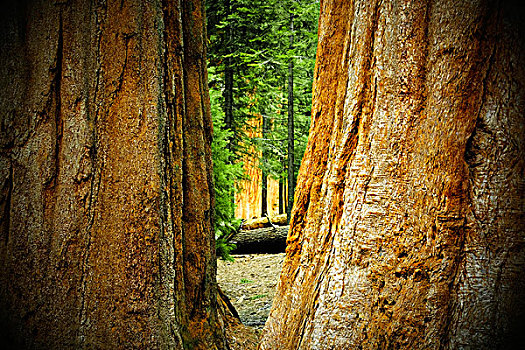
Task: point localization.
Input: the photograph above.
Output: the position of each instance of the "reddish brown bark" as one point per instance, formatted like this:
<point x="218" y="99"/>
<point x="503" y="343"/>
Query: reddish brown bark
<point x="408" y="224"/>
<point x="105" y="175"/>
<point x="249" y="198"/>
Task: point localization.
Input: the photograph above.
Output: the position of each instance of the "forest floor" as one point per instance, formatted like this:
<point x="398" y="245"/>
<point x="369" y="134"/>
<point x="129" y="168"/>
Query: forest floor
<point x="250" y="283"/>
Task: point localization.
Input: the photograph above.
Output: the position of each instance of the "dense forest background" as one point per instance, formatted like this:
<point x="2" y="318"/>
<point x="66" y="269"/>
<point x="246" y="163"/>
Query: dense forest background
<point x="261" y="57"/>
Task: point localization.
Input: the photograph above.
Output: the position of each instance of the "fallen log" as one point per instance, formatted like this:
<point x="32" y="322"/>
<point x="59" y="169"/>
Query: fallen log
<point x="261" y="240"/>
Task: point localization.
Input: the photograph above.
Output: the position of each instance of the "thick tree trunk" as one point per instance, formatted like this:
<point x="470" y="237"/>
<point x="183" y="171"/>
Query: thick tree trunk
<point x="105" y="174"/>
<point x="408" y="225"/>
<point x="249" y="197"/>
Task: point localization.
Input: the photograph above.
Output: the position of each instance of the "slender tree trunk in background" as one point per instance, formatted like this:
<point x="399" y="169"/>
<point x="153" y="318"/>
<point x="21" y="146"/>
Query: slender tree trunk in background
<point x="264" y="175"/>
<point x="291" y="184"/>
<point x="281" y="195"/>
<point x="408" y="225"/>
<point x="264" y="194"/>
<point x="106" y="183"/>
<point x="228" y="78"/>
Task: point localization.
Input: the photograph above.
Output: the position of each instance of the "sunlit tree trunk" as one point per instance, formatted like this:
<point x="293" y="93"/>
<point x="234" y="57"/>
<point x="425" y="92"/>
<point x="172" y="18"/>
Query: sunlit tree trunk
<point x="408" y="225"/>
<point x="106" y="186"/>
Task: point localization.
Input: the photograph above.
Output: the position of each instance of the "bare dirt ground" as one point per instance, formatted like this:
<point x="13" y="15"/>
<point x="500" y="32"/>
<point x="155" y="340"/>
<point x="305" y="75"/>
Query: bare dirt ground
<point x="250" y="283"/>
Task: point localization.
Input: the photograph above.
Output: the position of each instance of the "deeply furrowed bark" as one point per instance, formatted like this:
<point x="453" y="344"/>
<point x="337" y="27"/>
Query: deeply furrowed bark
<point x="408" y="224"/>
<point x="106" y="186"/>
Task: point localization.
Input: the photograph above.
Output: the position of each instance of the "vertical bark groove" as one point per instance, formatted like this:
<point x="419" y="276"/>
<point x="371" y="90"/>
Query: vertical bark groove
<point x="59" y="124"/>
<point x="95" y="177"/>
<point x="5" y="204"/>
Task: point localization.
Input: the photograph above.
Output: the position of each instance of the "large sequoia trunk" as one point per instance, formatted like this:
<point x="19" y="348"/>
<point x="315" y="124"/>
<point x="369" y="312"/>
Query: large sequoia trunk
<point x="408" y="224"/>
<point x="106" y="186"/>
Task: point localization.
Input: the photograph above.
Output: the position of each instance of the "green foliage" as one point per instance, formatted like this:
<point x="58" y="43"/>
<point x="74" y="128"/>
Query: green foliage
<point x="225" y="175"/>
<point x="253" y="36"/>
<point x="244" y="280"/>
<point x="223" y="249"/>
<point x="225" y="172"/>
<point x="223" y="233"/>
